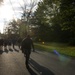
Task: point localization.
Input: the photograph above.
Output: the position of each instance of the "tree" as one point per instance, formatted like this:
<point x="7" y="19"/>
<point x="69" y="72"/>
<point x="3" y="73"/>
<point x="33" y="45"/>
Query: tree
<point x="27" y="13"/>
<point x="12" y="29"/>
<point x="46" y="11"/>
<point x="67" y="10"/>
<point x="58" y="18"/>
<point x="67" y="17"/>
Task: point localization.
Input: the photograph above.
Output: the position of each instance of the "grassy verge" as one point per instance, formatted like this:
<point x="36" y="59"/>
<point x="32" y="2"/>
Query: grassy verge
<point x="61" y="48"/>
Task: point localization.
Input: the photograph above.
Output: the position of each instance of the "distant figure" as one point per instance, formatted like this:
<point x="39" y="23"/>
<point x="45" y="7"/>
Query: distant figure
<point x="26" y="45"/>
<point x="5" y="44"/>
<point x="13" y="42"/>
<point x="19" y="42"/>
<point x="1" y="44"/>
<point x="9" y="43"/>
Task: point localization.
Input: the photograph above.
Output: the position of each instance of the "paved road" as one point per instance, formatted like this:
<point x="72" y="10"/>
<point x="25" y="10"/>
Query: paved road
<point x="12" y="62"/>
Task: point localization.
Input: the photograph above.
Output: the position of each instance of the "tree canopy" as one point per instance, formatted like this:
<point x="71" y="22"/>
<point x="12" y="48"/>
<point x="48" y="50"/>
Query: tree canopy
<point x="56" y="18"/>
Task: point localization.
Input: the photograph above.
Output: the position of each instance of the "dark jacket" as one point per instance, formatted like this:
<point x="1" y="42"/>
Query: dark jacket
<point x="27" y="44"/>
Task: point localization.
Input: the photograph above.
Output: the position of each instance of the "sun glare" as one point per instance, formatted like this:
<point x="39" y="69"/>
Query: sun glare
<point x="12" y="10"/>
<point x="6" y="12"/>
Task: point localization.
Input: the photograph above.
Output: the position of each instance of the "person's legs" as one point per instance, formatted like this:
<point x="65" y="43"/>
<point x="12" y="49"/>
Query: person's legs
<point x="27" y="57"/>
<point x="0" y="47"/>
<point x="13" y="45"/>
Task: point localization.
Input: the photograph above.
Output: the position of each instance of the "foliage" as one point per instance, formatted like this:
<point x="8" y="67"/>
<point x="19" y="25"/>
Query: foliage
<point x="67" y="18"/>
<point x="56" y="20"/>
<point x="67" y="13"/>
<point x="13" y="27"/>
<point x="53" y="21"/>
<point x="44" y="15"/>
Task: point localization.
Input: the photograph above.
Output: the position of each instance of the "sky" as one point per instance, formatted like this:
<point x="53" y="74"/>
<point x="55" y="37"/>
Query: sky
<point x="11" y="9"/>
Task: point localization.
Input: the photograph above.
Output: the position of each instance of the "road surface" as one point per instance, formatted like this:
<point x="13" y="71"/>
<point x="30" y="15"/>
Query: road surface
<point x="12" y="62"/>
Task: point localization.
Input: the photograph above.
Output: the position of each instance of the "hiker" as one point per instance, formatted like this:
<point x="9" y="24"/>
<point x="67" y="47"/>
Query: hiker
<point x="26" y="46"/>
<point x="1" y="44"/>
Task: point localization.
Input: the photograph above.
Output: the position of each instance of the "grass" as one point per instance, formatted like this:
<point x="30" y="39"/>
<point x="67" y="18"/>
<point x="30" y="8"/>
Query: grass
<point x="61" y="48"/>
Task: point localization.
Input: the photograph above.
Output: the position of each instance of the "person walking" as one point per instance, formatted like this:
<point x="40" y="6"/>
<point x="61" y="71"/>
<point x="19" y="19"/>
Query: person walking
<point x="1" y="43"/>
<point x="26" y="46"/>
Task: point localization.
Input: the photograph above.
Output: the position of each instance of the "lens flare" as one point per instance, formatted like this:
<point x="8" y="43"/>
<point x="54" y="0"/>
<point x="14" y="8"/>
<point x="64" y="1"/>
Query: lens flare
<point x="64" y="60"/>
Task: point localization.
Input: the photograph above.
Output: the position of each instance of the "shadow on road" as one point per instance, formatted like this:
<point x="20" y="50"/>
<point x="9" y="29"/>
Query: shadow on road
<point x="1" y="51"/>
<point x="11" y="50"/>
<point x="40" y="69"/>
<point x="6" y="50"/>
<point x="31" y="71"/>
<point x="16" y="50"/>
